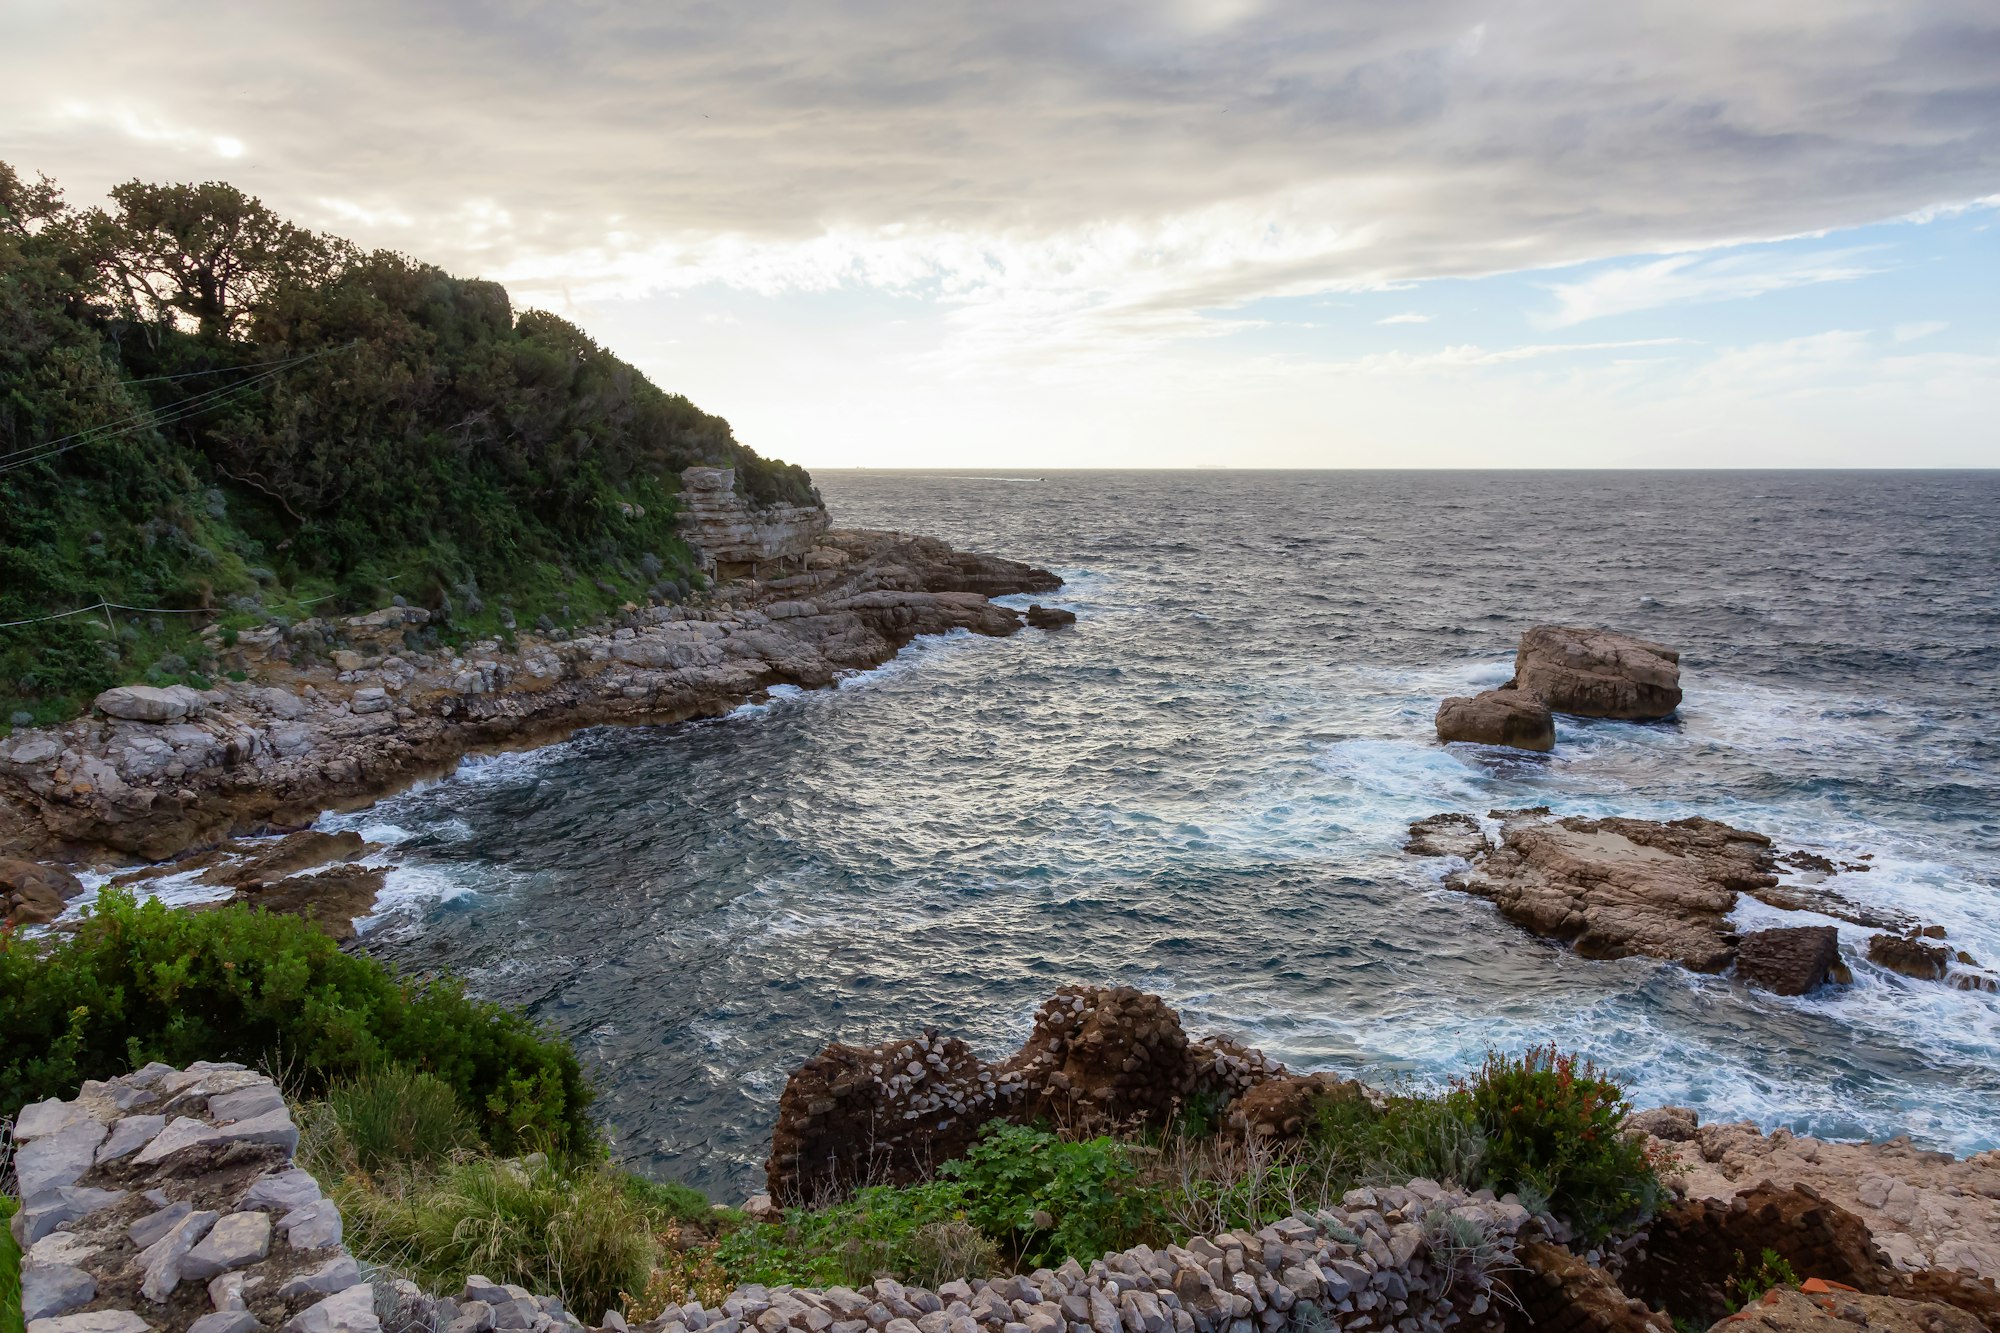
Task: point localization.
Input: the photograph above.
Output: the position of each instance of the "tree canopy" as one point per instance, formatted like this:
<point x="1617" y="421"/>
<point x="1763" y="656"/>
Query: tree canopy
<point x="206" y="407"/>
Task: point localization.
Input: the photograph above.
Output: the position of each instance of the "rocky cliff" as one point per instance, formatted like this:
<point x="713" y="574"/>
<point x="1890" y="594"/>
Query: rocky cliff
<point x="336" y="713"/>
<point x="732" y="539"/>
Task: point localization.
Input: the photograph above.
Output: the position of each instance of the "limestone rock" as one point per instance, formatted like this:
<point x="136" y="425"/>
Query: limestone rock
<point x="1498" y="717"/>
<point x="1597" y="673"/>
<point x="146" y="703"/>
<point x="94" y="1321"/>
<point x="57" y="1159"/>
<point x="235" y="1241"/>
<point x="48" y="1290"/>
<point x="162" y="1260"/>
<point x="1791" y="960"/>
<point x="349" y="1311"/>
<point x="1615" y="887"/>
<point x="129" y="1135"/>
<point x="1831" y="1309"/>
<point x="1911" y="956"/>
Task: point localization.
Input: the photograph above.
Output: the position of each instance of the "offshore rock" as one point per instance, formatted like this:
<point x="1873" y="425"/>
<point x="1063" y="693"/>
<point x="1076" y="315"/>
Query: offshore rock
<point x="274" y="751"/>
<point x="1049" y="617"/>
<point x="1498" y="717"/>
<point x="1097" y="1057"/>
<point x="1611" y="887"/>
<point x="1596" y="673"/>
<point x="1790" y="960"/>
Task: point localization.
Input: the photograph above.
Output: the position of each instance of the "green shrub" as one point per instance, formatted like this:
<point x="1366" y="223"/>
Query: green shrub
<point x="1404" y="1137"/>
<point x="394" y="1115"/>
<point x="1750" y="1283"/>
<point x="1552" y="1126"/>
<point x="669" y="1200"/>
<point x="139" y="982"/>
<point x="576" y="1234"/>
<point x="10" y="1272"/>
<point x="1048" y="1199"/>
<point x="881" y="1230"/>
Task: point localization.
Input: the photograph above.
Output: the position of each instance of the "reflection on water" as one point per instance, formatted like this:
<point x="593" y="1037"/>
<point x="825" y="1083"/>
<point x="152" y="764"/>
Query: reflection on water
<point x="1201" y="790"/>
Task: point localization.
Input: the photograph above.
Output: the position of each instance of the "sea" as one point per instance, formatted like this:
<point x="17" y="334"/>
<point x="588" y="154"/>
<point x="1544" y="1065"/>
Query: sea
<point x="1202" y="790"/>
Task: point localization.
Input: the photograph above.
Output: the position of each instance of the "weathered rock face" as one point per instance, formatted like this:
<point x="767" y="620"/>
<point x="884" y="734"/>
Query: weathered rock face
<point x="733" y="540"/>
<point x="1098" y="1057"/>
<point x="1610" y="887"/>
<point x="1596" y="673"/>
<point x="1917" y="1210"/>
<point x="184" y="1210"/>
<point x="32" y="893"/>
<point x="1790" y="960"/>
<point x="1841" y="1309"/>
<point x="308" y="732"/>
<point x="1498" y="717"/>
<point x="1050" y="617"/>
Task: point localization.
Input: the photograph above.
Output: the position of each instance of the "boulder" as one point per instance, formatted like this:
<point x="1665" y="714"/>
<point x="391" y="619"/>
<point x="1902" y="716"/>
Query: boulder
<point x="1790" y="960"/>
<point x="1910" y="955"/>
<point x="1498" y="717"/>
<point x="35" y="893"/>
<point x="146" y="703"/>
<point x="1050" y="617"/>
<point x="1596" y="673"/>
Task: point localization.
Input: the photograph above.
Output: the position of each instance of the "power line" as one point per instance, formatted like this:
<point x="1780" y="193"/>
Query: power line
<point x="179" y="412"/>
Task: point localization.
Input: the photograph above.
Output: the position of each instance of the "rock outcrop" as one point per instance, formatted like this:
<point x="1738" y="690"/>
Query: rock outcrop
<point x="1098" y="1057"/>
<point x="1609" y="887"/>
<point x="1596" y="673"/>
<point x="1614" y="887"/>
<point x="1507" y="717"/>
<point x="1789" y="960"/>
<point x="168" y="1199"/>
<point x="337" y="713"/>
<point x="733" y="539"/>
<point x="1050" y="617"/>
<point x="1918" y="1211"/>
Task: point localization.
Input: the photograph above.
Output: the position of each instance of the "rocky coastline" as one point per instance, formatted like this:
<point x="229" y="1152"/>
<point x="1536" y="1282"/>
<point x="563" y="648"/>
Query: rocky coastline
<point x="333" y="714"/>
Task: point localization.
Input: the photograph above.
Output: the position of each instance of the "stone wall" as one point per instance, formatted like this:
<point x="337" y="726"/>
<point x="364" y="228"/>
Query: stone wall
<point x="732" y="540"/>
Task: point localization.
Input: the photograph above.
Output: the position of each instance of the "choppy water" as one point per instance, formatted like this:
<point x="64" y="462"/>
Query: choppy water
<point x="1202" y="790"/>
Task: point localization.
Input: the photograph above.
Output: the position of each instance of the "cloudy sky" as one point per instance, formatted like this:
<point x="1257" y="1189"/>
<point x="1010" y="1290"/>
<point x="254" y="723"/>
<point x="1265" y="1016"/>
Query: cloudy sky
<point x="1179" y="232"/>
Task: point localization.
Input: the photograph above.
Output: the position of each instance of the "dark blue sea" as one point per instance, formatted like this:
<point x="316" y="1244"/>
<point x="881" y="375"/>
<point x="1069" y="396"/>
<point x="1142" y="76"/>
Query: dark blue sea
<point x="1202" y="790"/>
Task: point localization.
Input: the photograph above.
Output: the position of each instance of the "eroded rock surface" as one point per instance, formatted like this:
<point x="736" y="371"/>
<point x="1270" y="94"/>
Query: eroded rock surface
<point x="1610" y="887"/>
<point x="338" y="712"/>
<point x="31" y="893"/>
<point x="1097" y="1057"/>
<point x="1498" y="717"/>
<point x="1922" y="1210"/>
<point x="1789" y="960"/>
<point x="1597" y="673"/>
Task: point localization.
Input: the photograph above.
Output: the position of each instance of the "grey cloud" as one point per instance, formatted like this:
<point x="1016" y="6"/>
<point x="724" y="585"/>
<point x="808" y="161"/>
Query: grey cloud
<point x="1455" y="137"/>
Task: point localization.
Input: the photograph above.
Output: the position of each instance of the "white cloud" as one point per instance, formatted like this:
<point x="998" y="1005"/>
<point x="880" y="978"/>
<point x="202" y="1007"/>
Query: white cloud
<point x="1408" y="317"/>
<point x="1694" y="278"/>
<point x="1907" y="333"/>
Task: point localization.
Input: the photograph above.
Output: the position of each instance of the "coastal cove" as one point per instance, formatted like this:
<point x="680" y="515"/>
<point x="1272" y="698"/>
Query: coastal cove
<point x="1202" y="790"/>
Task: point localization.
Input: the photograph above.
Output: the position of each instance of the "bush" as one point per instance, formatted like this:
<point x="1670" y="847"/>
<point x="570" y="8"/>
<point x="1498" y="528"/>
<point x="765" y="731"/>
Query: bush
<point x="140" y="982"/>
<point x="1552" y="1128"/>
<point x="881" y="1230"/>
<point x="1048" y="1198"/>
<point x="394" y="1115"/>
<point x="576" y="1234"/>
<point x="668" y="1201"/>
<point x="10" y="1272"/>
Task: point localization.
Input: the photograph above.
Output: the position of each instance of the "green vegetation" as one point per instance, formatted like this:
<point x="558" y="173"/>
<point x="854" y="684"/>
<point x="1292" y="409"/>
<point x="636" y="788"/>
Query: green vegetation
<point x="1750" y="1283"/>
<point x="205" y="409"/>
<point x="1046" y="1198"/>
<point x="395" y="1115"/>
<point x="10" y="1272"/>
<point x="921" y="1232"/>
<point x="144" y="982"/>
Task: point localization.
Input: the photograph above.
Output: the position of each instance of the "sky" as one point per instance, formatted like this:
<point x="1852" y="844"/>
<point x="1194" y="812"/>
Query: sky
<point x="1170" y="233"/>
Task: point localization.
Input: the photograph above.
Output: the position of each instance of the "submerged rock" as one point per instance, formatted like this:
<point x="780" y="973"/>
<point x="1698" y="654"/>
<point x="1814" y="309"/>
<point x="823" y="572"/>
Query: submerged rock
<point x="1498" y="717"/>
<point x="1597" y="673"/>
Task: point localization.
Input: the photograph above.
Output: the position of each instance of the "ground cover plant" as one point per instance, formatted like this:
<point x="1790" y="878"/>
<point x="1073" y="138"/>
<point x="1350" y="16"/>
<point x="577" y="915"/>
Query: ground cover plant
<point x="10" y="1272"/>
<point x="142" y="981"/>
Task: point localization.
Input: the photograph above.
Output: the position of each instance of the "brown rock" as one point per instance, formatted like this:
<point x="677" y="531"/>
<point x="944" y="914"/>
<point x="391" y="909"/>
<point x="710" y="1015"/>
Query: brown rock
<point x="1791" y="960"/>
<point x="1615" y="887"/>
<point x="1841" y="1309"/>
<point x="330" y="899"/>
<point x="34" y="893"/>
<point x="1286" y="1107"/>
<point x="1596" y="673"/>
<point x="1498" y="717"/>
<point x="1050" y="617"/>
<point x="1910" y="956"/>
<point x="1098" y="1058"/>
<point x="289" y="855"/>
